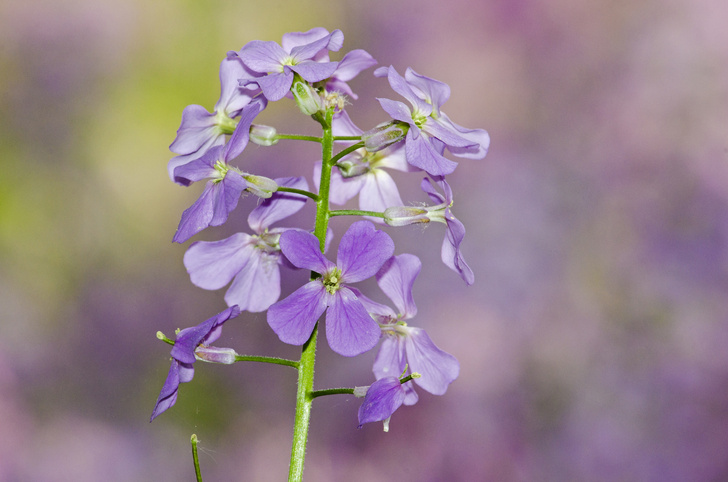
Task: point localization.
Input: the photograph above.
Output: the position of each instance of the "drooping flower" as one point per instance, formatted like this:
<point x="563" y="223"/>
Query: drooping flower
<point x="251" y="262"/>
<point x="382" y="399"/>
<point x="407" y="349"/>
<point x="349" y="328"/>
<point x="183" y="356"/>
<point x="201" y="130"/>
<point x="297" y="55"/>
<point x="430" y="130"/>
<point x="441" y="212"/>
<point x="226" y="183"/>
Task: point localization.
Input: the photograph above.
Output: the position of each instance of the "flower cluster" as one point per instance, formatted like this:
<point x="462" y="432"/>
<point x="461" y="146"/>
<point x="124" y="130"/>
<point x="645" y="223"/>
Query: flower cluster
<point x="413" y="138"/>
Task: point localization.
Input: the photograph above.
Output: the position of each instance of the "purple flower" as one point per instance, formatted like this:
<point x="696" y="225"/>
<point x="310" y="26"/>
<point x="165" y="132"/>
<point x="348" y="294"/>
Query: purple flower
<point x="362" y="173"/>
<point x="297" y="55"/>
<point x="226" y="183"/>
<point x="450" y="253"/>
<point x="383" y="398"/>
<point x="430" y="131"/>
<point x="201" y="130"/>
<point x="183" y="356"/>
<point x="251" y="262"/>
<point x="350" y="66"/>
<point x="349" y="328"/>
<point x="404" y="347"/>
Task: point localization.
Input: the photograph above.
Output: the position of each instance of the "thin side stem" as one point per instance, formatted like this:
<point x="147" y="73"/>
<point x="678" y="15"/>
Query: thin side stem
<point x="298" y="191"/>
<point x="332" y="391"/>
<point x="355" y="212"/>
<point x="296" y="137"/>
<point x="267" y="359"/>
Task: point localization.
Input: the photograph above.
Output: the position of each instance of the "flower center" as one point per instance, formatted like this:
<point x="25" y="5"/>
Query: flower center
<point x="222" y="168"/>
<point x="331" y="280"/>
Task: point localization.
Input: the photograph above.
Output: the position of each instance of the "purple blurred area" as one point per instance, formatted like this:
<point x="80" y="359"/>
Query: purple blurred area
<point x="593" y="344"/>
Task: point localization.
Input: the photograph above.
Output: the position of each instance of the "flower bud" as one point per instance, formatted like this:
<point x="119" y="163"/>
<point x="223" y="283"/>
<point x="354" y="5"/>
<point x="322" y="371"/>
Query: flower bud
<point x="262" y="187"/>
<point x="360" y="392"/>
<point x="263" y="135"/>
<point x="404" y="215"/>
<point x="384" y="135"/>
<point x="349" y="168"/>
<point x="308" y="100"/>
<point x="214" y="354"/>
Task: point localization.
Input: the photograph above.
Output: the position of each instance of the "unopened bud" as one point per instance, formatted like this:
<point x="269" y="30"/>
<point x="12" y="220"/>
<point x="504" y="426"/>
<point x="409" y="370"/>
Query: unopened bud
<point x="404" y="215"/>
<point x="308" y="100"/>
<point x="349" y="168"/>
<point x="263" y="187"/>
<point x="263" y="135"/>
<point x="214" y="354"/>
<point x="384" y="135"/>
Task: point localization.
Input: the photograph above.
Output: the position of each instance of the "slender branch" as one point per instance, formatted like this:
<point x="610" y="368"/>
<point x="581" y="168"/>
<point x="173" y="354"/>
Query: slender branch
<point x="267" y="359"/>
<point x="298" y="138"/>
<point x="332" y="391"/>
<point x="346" y="151"/>
<point x="298" y="191"/>
<point x="355" y="212"/>
<point x="347" y="138"/>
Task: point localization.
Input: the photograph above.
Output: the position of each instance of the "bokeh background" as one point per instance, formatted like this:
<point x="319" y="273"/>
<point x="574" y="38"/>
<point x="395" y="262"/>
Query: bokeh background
<point x="593" y="345"/>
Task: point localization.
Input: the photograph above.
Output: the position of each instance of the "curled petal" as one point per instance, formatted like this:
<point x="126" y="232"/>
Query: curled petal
<point x="433" y="91"/>
<point x="168" y="396"/>
<point x="383" y="398"/>
<point x="196" y="129"/>
<point x="420" y="153"/>
<point x="205" y="333"/>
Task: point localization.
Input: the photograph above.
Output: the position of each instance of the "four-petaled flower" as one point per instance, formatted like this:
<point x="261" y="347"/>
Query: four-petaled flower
<point x="201" y="130"/>
<point x="407" y="349"/>
<point x="430" y="130"/>
<point x="183" y="356"/>
<point x="349" y="328"/>
<point x="298" y="54"/>
<point x="251" y="261"/>
<point x="226" y="183"/>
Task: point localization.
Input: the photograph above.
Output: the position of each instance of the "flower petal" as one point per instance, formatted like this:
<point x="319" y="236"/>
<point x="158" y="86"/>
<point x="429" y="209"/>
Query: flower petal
<point x="205" y="333"/>
<point x="168" y="396"/>
<point x="258" y="284"/>
<point x="196" y="129"/>
<point x="294" y="317"/>
<point x="420" y="153"/>
<point x="350" y="330"/>
<point x="303" y="251"/>
<point x="438" y="368"/>
<point x="213" y="264"/>
<point x="396" y="279"/>
<point x="383" y="398"/>
<point x="362" y="251"/>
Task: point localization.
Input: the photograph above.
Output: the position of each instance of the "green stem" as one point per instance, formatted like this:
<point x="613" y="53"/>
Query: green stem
<point x="267" y="359"/>
<point x="298" y="191"/>
<point x="304" y="394"/>
<point x="195" y="459"/>
<point x="332" y="391"/>
<point x="355" y="212"/>
<point x="296" y="137"/>
<point x="346" y="151"/>
<point x="347" y="138"/>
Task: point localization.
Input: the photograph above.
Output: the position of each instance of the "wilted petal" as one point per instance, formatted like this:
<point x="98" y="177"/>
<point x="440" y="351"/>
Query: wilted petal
<point x="296" y="39"/>
<point x="433" y="91"/>
<point x="478" y="137"/>
<point x="447" y="135"/>
<point x="232" y="97"/>
<point x="198" y="216"/>
<point x="362" y="251"/>
<point x="400" y="85"/>
<point x="350" y="330"/>
<point x="396" y="279"/>
<point x="383" y="398"/>
<point x="241" y="135"/>
<point x="331" y="42"/>
<point x="438" y="368"/>
<point x="205" y="333"/>
<point x="450" y="252"/>
<point x="168" y="396"/>
<point x="294" y="317"/>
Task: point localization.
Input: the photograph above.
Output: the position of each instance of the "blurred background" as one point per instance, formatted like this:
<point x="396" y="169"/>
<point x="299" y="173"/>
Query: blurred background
<point x="593" y="344"/>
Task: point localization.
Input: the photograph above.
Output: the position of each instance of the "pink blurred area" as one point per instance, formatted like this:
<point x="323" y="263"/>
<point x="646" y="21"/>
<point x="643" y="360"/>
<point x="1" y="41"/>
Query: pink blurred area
<point x="593" y="344"/>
